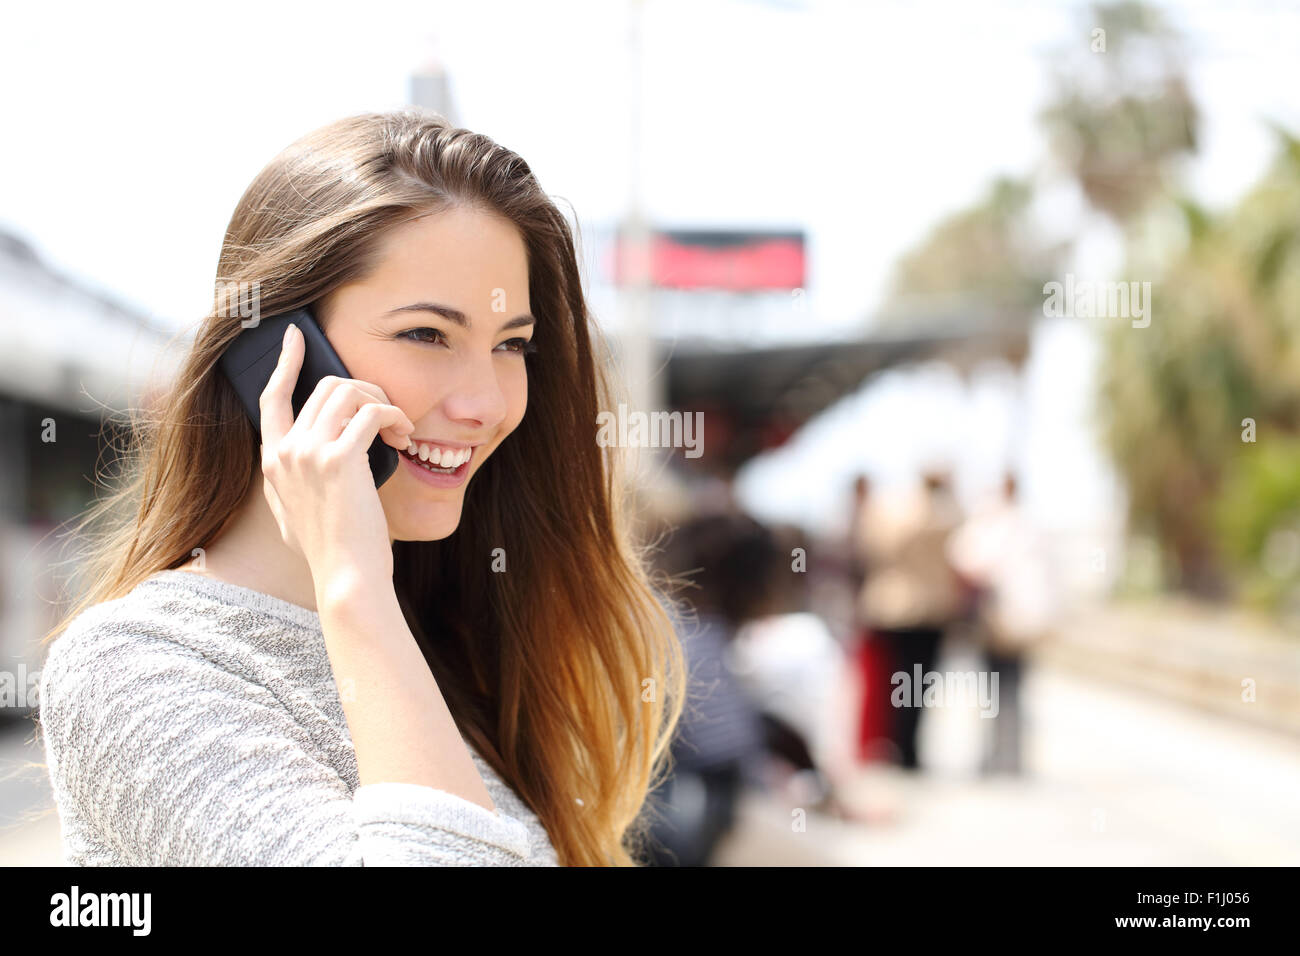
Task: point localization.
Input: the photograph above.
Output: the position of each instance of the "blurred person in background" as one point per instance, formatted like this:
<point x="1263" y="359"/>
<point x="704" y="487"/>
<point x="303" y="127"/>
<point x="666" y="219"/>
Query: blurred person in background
<point x="720" y="735"/>
<point x="911" y="594"/>
<point x="726" y="734"/>
<point x="1000" y="552"/>
<point x="800" y="677"/>
<point x="872" y="655"/>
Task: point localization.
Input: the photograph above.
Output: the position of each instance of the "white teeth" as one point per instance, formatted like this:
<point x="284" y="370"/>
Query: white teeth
<point x="440" y="457"/>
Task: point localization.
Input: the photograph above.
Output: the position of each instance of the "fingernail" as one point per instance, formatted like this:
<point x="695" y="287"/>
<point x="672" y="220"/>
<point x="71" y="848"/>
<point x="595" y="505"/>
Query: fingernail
<point x="288" y="332"/>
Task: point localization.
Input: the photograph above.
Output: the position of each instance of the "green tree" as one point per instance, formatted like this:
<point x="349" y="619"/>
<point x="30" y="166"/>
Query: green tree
<point x="1218" y="364"/>
<point x="988" y="255"/>
<point x="1121" y="113"/>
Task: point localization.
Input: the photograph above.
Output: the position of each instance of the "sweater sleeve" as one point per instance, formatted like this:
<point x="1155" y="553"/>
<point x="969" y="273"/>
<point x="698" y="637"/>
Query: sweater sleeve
<point x="170" y="759"/>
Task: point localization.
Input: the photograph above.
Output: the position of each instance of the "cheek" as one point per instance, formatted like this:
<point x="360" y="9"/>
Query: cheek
<point x="406" y="386"/>
<point x="515" y="389"/>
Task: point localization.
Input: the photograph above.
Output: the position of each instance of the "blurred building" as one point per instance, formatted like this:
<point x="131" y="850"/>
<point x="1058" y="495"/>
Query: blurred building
<point x="67" y="354"/>
<point x="729" y="337"/>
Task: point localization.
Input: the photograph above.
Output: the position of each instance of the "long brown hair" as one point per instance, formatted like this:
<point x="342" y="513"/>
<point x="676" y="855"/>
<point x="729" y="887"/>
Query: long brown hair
<point x="565" y="671"/>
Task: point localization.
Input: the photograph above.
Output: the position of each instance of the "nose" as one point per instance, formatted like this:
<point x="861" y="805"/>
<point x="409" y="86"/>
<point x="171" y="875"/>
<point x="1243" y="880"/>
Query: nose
<point x="475" y="394"/>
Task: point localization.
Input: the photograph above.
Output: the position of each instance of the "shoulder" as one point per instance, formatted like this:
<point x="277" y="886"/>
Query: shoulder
<point x="139" y="616"/>
<point x="118" y="648"/>
<point x="176" y="618"/>
<point x="98" y="634"/>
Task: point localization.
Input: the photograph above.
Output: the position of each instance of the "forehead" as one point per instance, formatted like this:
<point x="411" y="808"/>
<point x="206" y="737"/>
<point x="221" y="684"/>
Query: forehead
<point x="460" y="252"/>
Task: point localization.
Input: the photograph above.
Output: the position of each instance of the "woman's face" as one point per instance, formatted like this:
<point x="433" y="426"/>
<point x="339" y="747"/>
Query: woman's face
<point x="456" y="370"/>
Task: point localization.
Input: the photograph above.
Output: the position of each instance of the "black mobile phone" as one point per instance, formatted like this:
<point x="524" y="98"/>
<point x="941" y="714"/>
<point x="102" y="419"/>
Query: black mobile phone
<point x="249" y="361"/>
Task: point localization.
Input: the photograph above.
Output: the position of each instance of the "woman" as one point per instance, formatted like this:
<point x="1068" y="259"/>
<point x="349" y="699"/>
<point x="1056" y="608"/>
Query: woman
<point x="276" y="663"/>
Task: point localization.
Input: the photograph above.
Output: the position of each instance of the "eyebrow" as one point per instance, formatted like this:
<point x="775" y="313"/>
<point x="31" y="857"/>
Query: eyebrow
<point x="457" y="316"/>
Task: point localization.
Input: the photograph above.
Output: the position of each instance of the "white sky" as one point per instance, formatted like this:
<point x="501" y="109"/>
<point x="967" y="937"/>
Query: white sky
<point x="132" y="129"/>
<point x="131" y="135"/>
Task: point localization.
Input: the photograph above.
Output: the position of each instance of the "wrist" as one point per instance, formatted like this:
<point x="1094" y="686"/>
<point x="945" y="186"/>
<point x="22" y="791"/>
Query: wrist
<point x="346" y="585"/>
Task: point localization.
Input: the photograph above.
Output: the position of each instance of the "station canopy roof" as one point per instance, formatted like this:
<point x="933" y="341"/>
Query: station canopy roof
<point x="758" y="397"/>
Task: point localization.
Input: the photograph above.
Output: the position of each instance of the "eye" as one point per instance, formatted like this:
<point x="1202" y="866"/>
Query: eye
<point x="434" y="336"/>
<point x="410" y="333"/>
<point x="521" y="345"/>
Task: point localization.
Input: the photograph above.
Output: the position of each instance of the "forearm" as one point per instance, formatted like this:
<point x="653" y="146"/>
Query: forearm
<point x="401" y="728"/>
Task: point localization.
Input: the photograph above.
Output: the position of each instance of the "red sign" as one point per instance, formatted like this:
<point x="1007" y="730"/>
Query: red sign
<point x="735" y="261"/>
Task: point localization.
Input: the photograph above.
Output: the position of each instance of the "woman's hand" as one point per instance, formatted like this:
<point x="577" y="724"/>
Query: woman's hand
<point x="316" y="471"/>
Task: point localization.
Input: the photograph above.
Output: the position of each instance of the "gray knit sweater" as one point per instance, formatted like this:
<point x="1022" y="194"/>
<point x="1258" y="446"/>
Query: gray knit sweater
<point x="197" y="723"/>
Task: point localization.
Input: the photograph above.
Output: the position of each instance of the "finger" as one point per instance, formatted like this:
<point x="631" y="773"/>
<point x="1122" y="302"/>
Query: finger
<point x="378" y="394"/>
<point x="370" y="420"/>
<point x="343" y="405"/>
<point x="325" y="388"/>
<point x="276" y="400"/>
<point x="320" y="394"/>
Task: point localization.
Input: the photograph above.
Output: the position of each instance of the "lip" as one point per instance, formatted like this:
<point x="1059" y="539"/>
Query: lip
<point x="444" y="444"/>
<point x="452" y="479"/>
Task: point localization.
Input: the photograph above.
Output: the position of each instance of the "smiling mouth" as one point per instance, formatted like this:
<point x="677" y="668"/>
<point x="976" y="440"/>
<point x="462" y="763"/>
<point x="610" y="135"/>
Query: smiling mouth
<point x="437" y="468"/>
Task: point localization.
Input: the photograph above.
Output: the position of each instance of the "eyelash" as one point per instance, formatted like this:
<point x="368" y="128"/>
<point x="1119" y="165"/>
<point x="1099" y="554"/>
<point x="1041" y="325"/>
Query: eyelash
<point x="525" y="346"/>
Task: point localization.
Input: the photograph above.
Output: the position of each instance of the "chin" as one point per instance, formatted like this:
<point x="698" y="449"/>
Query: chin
<point x="424" y="523"/>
